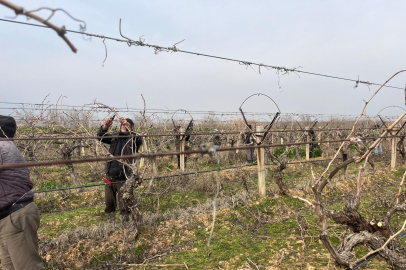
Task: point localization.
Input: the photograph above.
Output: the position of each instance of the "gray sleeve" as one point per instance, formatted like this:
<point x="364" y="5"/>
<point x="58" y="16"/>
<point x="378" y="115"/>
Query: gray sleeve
<point x="1" y="152"/>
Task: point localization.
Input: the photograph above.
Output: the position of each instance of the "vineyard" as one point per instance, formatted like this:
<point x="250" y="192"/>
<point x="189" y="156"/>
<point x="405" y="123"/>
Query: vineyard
<point x="241" y="205"/>
<point x="248" y="188"/>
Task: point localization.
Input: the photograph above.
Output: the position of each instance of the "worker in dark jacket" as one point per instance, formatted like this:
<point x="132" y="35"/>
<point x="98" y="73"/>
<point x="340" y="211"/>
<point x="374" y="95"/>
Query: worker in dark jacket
<point x="186" y="139"/>
<point x="115" y="170"/>
<point x="312" y="146"/>
<point x="216" y="141"/>
<point x="248" y="139"/>
<point x="19" y="215"/>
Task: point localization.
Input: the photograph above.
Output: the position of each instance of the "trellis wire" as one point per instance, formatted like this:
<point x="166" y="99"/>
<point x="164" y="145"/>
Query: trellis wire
<point x="173" y="48"/>
<point x="176" y="175"/>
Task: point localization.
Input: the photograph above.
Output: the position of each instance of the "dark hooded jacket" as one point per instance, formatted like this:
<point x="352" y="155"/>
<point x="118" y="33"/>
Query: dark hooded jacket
<point x="247" y="138"/>
<point x="15" y="184"/>
<point x="217" y="139"/>
<point x="186" y="138"/>
<point x="119" y="147"/>
<point x="312" y="135"/>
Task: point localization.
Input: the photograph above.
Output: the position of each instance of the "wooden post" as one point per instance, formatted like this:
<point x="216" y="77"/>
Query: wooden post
<point x="182" y="148"/>
<point x="319" y="139"/>
<point x="393" y="154"/>
<point x="142" y="159"/>
<point x="82" y="149"/>
<point x="307" y="147"/>
<point x="144" y="148"/>
<point x="145" y="144"/>
<point x="261" y="162"/>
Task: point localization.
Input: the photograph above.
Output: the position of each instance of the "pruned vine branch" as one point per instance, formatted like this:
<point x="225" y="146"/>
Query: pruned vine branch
<point x="61" y="31"/>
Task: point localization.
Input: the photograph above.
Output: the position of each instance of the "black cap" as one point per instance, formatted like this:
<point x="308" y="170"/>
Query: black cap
<point x="8" y="126"/>
<point x="131" y="122"/>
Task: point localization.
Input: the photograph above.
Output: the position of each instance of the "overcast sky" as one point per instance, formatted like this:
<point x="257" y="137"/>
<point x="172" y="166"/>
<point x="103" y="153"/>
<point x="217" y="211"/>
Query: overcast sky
<point x="340" y="38"/>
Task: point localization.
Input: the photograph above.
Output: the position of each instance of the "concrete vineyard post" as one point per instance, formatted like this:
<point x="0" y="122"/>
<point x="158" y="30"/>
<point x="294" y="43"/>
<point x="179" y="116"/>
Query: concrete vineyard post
<point x="182" y="148"/>
<point x="393" y="154"/>
<point x="144" y="148"/>
<point x="319" y="139"/>
<point x="142" y="159"/>
<point x="307" y="147"/>
<point x="261" y="162"/>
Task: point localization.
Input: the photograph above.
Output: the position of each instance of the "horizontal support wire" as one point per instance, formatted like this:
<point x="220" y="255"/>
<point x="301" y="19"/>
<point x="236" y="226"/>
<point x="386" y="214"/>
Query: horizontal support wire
<point x="175" y="49"/>
<point x="176" y="175"/>
<point x="129" y="109"/>
<point x="163" y="154"/>
<point x="175" y="134"/>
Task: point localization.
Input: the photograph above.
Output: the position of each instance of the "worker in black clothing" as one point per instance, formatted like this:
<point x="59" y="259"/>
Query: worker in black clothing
<point x="248" y="139"/>
<point x="186" y="139"/>
<point x="115" y="170"/>
<point x="216" y="141"/>
<point x="312" y="146"/>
